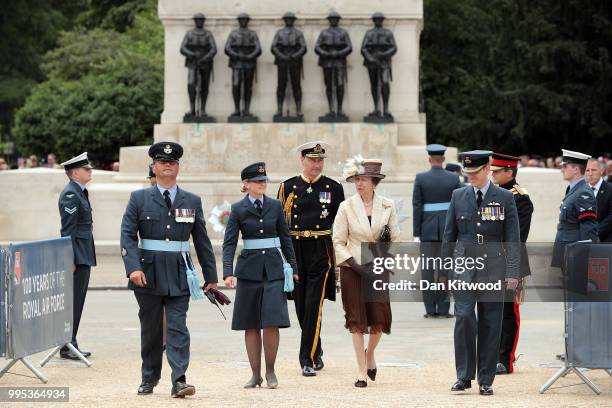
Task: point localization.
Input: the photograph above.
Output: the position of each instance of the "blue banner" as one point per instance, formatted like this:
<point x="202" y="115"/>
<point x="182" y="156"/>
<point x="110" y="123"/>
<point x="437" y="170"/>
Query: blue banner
<point x="40" y="294"/>
<point x="3" y="294"/>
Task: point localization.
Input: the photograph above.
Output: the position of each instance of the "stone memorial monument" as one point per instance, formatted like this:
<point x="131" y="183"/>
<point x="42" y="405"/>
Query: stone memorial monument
<point x="199" y="49"/>
<point x="242" y="48"/>
<point x="289" y="47"/>
<point x="333" y="47"/>
<point x="377" y="49"/>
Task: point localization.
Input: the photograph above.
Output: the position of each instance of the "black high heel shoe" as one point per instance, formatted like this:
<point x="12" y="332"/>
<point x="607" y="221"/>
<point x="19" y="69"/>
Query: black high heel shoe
<point x="254" y="382"/>
<point x="371" y="371"/>
<point x="361" y="383"/>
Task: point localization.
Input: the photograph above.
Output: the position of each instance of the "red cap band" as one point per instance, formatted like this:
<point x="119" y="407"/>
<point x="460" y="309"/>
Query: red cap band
<point x="504" y="163"/>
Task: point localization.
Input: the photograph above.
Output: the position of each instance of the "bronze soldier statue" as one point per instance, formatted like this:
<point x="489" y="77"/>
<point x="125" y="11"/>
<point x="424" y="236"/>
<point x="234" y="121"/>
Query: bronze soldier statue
<point x="242" y="48"/>
<point x="333" y="46"/>
<point x="289" y="47"/>
<point x="199" y="48"/>
<point x="377" y="49"/>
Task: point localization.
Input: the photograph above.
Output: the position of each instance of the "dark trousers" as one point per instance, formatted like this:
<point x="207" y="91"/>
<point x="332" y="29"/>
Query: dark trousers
<point x="477" y="332"/>
<point x="80" y="285"/>
<point x="316" y="270"/>
<point x="438" y="301"/>
<point x="151" y="335"/>
<point x="509" y="335"/>
<point x="289" y="72"/>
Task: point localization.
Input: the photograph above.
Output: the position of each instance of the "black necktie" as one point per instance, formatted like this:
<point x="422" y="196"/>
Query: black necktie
<point x="258" y="206"/>
<point x="567" y="190"/>
<point x="167" y="199"/>
<point x="86" y="192"/>
<point x="479" y="199"/>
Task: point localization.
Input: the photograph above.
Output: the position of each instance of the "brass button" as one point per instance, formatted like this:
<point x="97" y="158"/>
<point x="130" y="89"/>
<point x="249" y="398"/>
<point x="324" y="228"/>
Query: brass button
<point x="323" y="206"/>
<point x="263" y="252"/>
<point x="169" y="213"/>
<point x="294" y="186"/>
<point x="261" y="231"/>
<point x="316" y="236"/>
<point x="260" y="220"/>
<point x="168" y="226"/>
<point x="478" y="224"/>
<point x="295" y="216"/>
<point x="167" y="239"/>
<point x="294" y="205"/>
<point x="148" y="218"/>
<point x="306" y="234"/>
<point x="327" y="186"/>
<point x="295" y="226"/>
<point x="317" y="227"/>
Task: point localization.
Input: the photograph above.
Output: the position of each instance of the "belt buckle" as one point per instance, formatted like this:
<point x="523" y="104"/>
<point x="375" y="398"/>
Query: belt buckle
<point x="307" y="233"/>
<point x="480" y="238"/>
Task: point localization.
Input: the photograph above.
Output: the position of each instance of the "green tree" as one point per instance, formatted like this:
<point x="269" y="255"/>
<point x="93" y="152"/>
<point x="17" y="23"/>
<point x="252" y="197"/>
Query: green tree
<point x="98" y="113"/>
<point x="105" y="90"/>
<point x="518" y="75"/>
<point x="28" y="28"/>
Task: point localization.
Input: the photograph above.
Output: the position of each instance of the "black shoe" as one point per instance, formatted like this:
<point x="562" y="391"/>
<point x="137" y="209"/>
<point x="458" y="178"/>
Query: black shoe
<point x="429" y="315"/>
<point x="501" y="369"/>
<point x="318" y="364"/>
<point x="308" y="371"/>
<point x="461" y="385"/>
<point x="486" y="389"/>
<point x="271" y="380"/>
<point x="146" y="388"/>
<point x="254" y="382"/>
<point x="361" y="383"/>
<point x="68" y="354"/>
<point x="372" y="373"/>
<point x="447" y="315"/>
<point x="181" y="389"/>
<point x="561" y="356"/>
<point x="85" y="353"/>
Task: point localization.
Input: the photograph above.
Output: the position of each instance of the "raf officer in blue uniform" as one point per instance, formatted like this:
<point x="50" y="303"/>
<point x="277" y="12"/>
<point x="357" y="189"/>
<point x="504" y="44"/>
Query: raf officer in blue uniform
<point x="578" y="210"/>
<point x="155" y="232"/>
<point x="430" y="200"/>
<point x="482" y="224"/>
<point x="77" y="222"/>
<point x="261" y="303"/>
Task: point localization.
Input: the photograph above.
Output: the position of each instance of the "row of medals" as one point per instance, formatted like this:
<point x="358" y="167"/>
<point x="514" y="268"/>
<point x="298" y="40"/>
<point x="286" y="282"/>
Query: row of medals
<point x="492" y="213"/>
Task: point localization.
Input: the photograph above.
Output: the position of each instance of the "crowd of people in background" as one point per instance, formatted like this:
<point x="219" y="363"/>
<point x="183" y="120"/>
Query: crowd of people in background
<point x="51" y="162"/>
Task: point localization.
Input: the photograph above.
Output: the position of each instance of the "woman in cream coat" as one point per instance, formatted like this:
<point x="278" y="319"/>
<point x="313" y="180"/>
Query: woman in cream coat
<point x="363" y="218"/>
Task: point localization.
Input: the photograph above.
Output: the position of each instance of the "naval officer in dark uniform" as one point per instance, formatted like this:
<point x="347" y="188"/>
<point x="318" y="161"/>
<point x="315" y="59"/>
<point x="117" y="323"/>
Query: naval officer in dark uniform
<point x="505" y="168"/>
<point x="155" y="232"/>
<point x="310" y="203"/>
<point x="261" y="303"/>
<point x="430" y="200"/>
<point x="482" y="224"/>
<point x="77" y="223"/>
<point x="578" y="210"/>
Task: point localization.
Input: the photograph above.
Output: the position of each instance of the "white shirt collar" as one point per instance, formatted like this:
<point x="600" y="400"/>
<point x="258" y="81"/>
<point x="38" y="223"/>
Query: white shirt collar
<point x="597" y="186"/>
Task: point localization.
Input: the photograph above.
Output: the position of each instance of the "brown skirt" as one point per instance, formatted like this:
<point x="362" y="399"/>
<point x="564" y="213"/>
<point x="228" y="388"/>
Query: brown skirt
<point x="362" y="317"/>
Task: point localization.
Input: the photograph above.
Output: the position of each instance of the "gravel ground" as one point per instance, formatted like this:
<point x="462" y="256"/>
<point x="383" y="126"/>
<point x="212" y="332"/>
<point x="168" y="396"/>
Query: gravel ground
<point x="416" y="366"/>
